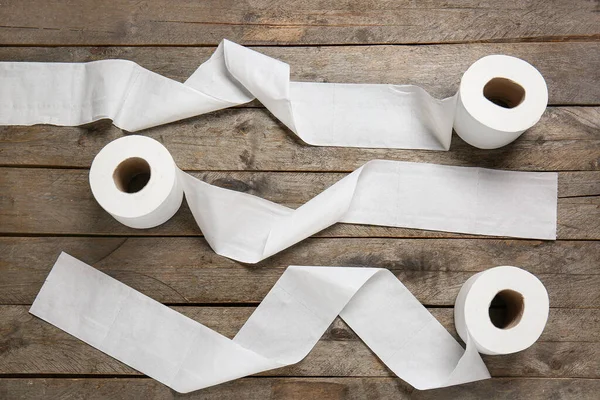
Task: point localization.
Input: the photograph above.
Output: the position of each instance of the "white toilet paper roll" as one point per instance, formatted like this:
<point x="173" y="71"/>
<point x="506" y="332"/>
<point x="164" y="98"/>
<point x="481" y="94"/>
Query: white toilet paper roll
<point x="136" y="180"/>
<point x="527" y="306"/>
<point x="387" y="193"/>
<point x="499" y="98"/>
<point x="187" y="356"/>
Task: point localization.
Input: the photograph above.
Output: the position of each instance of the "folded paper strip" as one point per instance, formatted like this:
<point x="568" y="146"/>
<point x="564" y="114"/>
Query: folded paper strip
<point x="385" y="193"/>
<point x="248" y="228"/>
<point x="186" y="355"/>
<point x="324" y="114"/>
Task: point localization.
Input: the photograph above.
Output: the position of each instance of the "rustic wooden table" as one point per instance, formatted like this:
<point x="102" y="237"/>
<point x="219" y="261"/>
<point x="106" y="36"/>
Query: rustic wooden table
<point x="46" y="205"/>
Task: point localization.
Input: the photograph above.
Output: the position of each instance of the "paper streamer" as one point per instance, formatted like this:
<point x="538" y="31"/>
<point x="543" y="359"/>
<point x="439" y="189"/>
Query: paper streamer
<point x="499" y="98"/>
<point x="186" y="355"/>
<point x="387" y="193"/>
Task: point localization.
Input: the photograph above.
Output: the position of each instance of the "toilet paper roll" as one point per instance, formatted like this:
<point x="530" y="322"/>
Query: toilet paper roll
<point x="387" y="193"/>
<point x="499" y="97"/>
<point x="187" y="356"/>
<point x="136" y="180"/>
<point x="525" y="299"/>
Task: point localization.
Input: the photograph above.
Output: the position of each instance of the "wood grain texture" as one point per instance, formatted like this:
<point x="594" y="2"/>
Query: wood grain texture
<point x="187" y="271"/>
<point x="30" y="345"/>
<point x="59" y="201"/>
<point x="570" y="69"/>
<point x="33" y="22"/>
<point x="299" y="389"/>
<point x="564" y="324"/>
<point x="566" y="138"/>
<point x="46" y="205"/>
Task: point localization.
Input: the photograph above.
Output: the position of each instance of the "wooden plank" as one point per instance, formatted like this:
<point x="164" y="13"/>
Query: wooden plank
<point x="186" y="271"/>
<point x="299" y="388"/>
<point x="59" y="201"/>
<point x="32" y="22"/>
<point x="566" y="138"/>
<point x="565" y="363"/>
<point x="568" y="68"/>
<point x="579" y="184"/>
<point x="32" y="346"/>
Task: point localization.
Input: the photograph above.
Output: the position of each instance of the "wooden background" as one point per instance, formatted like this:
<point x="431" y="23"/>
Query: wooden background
<point x="46" y="205"/>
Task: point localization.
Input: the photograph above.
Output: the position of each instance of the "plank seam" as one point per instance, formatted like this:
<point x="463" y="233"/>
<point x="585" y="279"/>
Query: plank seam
<point x="270" y="171"/>
<point x="132" y="375"/>
<point x="199" y="235"/>
<point x="592" y="38"/>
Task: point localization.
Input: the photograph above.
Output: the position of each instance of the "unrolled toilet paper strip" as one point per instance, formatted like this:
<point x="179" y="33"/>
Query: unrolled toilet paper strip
<point x="186" y="355"/>
<point x="324" y="114"/>
<point x="387" y="193"/>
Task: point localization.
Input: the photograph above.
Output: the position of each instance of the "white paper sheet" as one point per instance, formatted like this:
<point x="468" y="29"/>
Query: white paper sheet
<point x="186" y="355"/>
<point x="324" y="114"/>
<point x="387" y="193"/>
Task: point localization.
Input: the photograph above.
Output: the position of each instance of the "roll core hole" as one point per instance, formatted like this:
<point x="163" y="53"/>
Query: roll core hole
<point x="506" y="309"/>
<point x="132" y="175"/>
<point x="504" y="92"/>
